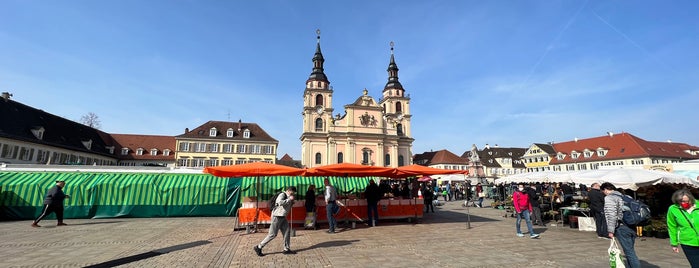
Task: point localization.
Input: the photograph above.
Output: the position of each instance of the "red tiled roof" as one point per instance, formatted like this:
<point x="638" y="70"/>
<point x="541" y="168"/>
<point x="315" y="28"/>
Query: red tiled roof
<point x="202" y="132"/>
<point x="621" y="146"/>
<point x="147" y="142"/>
<point x="439" y="157"/>
<point x="286" y="157"/>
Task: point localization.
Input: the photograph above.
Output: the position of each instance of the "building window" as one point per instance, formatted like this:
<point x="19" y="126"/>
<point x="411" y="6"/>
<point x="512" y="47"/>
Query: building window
<point x="139" y="151"/>
<point x="399" y="129"/>
<point x="153" y="151"/>
<point x="124" y="151"/>
<point x="387" y="160"/>
<point x="319" y="100"/>
<point x="166" y="152"/>
<point x="340" y="158"/>
<point x="212" y="132"/>
<point x="213" y="147"/>
<point x="318" y="158"/>
<point x="240" y="161"/>
<point x="241" y="148"/>
<point x="246" y="134"/>
<point x="227" y="148"/>
<point x="229" y="133"/>
<point x="601" y="153"/>
<point x="184" y="146"/>
<point x="319" y="124"/>
<point x="399" y="107"/>
<point x="588" y="154"/>
<point x="255" y="149"/>
<point x="268" y="149"/>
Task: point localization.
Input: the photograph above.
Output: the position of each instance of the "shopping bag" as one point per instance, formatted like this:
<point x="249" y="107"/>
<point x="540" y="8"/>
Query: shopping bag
<point x="481" y="194"/>
<point x="614" y="251"/>
<point x="586" y="224"/>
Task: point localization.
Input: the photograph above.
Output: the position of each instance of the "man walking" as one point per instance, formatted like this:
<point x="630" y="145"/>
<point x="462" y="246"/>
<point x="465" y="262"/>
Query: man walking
<point x="534" y="202"/>
<point x="597" y="210"/>
<point x="626" y="235"/>
<point x="282" y="207"/>
<point x="53" y="203"/>
<point x="331" y="205"/>
<point x="520" y="200"/>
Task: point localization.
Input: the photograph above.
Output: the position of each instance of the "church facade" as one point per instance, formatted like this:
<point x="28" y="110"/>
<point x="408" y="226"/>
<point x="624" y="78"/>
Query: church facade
<point x="366" y="132"/>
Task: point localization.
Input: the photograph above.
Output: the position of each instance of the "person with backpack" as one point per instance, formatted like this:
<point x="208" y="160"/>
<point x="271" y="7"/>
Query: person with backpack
<point x="281" y="207"/>
<point x="682" y="221"/>
<point x="520" y="200"/>
<point x="616" y="228"/>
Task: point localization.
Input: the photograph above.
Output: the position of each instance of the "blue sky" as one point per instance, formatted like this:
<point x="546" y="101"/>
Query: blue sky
<point x="510" y="73"/>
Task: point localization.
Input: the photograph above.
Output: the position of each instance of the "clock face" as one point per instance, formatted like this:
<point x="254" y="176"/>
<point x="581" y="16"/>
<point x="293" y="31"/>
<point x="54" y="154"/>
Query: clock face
<point x="400" y="117"/>
<point x="319" y="109"/>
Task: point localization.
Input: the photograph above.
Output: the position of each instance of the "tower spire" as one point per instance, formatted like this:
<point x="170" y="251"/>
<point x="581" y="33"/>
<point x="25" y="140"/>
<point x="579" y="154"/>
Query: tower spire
<point x="392" y="73"/>
<point x="317" y="74"/>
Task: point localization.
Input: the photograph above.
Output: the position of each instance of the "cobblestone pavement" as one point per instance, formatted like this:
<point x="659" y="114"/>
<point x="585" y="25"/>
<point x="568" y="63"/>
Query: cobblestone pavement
<point x="441" y="239"/>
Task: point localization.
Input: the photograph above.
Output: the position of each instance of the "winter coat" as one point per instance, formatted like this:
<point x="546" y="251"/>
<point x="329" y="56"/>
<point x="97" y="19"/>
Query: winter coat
<point x="596" y="200"/>
<point x="521" y="201"/>
<point x="612" y="210"/>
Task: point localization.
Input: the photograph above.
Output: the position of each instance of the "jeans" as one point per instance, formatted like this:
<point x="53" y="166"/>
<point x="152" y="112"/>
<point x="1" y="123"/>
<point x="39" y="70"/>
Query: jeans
<point x="331" y="219"/>
<point x="428" y="205"/>
<point x="278" y="223"/>
<point x="626" y="238"/>
<point x="692" y="254"/>
<point x="373" y="217"/>
<point x="524" y="214"/>
<point x="480" y="202"/>
<point x="600" y="223"/>
<point x="536" y="215"/>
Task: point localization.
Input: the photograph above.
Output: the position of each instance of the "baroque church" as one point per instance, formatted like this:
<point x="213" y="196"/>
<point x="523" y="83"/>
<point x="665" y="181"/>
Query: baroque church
<point x="368" y="132"/>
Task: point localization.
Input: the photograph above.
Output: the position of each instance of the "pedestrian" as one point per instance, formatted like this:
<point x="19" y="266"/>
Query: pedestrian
<point x="534" y="202"/>
<point x="597" y="210"/>
<point x="282" y="207"/>
<point x="520" y="200"/>
<point x="372" y="193"/>
<point x="682" y="223"/>
<point x="331" y="205"/>
<point x="626" y="235"/>
<point x="310" y="199"/>
<point x="428" y="196"/>
<point x="53" y="203"/>
<point x="480" y="194"/>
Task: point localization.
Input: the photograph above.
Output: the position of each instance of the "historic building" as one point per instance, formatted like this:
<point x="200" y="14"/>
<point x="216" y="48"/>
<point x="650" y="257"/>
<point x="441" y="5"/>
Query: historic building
<point x="619" y="150"/>
<point x="368" y="132"/>
<point x="220" y="143"/>
<point x="538" y="156"/>
<point x="144" y="150"/>
<point x="499" y="161"/>
<point x="443" y="159"/>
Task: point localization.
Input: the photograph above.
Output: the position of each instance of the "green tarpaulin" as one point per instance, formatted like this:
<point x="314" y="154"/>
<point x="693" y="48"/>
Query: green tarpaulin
<point x="273" y="184"/>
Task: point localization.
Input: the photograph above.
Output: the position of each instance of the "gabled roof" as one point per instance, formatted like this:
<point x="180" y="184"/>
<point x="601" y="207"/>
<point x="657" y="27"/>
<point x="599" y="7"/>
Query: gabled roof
<point x="202" y="132"/>
<point x="440" y="157"/>
<point x="548" y="148"/>
<point x="17" y="121"/>
<point x="491" y="153"/>
<point x="286" y="160"/>
<point x="146" y="142"/>
<point x="621" y="146"/>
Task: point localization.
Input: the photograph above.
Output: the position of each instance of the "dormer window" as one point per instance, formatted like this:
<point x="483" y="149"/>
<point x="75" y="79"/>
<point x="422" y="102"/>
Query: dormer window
<point x="587" y="153"/>
<point x="38" y="132"/>
<point x="124" y="151"/>
<point x="229" y="133"/>
<point x="560" y="156"/>
<point x="87" y="144"/>
<point x="153" y="151"/>
<point x="212" y="132"/>
<point x="166" y="152"/>
<point x="246" y="134"/>
<point x="575" y="155"/>
<point x="139" y="151"/>
<point x="110" y="149"/>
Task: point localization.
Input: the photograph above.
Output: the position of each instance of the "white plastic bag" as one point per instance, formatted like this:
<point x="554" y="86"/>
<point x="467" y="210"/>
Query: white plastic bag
<point x="614" y="251"/>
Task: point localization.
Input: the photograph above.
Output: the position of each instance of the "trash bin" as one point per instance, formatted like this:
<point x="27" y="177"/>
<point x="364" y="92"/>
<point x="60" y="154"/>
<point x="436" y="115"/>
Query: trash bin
<point x="573" y="221"/>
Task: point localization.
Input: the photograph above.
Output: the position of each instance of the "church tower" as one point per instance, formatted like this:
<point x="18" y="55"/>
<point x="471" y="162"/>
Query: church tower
<point x="396" y="110"/>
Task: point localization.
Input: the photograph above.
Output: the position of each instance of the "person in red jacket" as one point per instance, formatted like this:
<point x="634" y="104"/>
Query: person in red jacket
<point x="520" y="200"/>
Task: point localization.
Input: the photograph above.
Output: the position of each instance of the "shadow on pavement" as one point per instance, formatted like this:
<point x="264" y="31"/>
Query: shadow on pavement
<point x="648" y="264"/>
<point x="447" y="216"/>
<point x="150" y="254"/>
<point x="328" y="244"/>
<point x="91" y="223"/>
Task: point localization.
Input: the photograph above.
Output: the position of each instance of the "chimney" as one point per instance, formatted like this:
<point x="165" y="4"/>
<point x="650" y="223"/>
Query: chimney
<point x="487" y="146"/>
<point x="611" y="134"/>
<point x="240" y="124"/>
<point x="576" y="139"/>
<point x="186" y="130"/>
<point x="496" y="146"/>
<point x="6" y="96"/>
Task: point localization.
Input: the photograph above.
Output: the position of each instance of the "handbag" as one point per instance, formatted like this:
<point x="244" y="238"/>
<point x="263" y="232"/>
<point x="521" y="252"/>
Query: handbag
<point x="614" y="251"/>
<point x="481" y="194"/>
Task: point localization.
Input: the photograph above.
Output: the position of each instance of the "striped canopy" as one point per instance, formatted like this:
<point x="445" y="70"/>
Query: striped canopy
<point x="265" y="187"/>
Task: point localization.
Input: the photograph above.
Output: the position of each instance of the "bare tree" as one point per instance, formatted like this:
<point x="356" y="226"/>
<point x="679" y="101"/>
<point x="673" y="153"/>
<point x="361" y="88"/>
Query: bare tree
<point x="91" y="120"/>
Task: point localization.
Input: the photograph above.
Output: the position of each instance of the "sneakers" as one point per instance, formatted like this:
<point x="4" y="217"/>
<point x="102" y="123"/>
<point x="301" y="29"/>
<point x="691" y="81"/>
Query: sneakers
<point x="331" y="231"/>
<point x="288" y="252"/>
<point x="520" y="234"/>
<point x="534" y="236"/>
<point x="35" y="225"/>
<point x="258" y="250"/>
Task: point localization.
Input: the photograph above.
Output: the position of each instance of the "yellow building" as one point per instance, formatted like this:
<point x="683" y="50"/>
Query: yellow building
<point x="220" y="143"/>
<point x="538" y="156"/>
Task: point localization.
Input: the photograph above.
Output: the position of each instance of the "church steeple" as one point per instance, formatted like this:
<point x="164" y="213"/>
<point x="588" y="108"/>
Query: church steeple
<point x="393" y="74"/>
<point x="317" y="74"/>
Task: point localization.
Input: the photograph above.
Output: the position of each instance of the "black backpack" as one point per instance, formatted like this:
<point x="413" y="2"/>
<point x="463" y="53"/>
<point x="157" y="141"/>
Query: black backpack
<point x="634" y="212"/>
<point x="273" y="200"/>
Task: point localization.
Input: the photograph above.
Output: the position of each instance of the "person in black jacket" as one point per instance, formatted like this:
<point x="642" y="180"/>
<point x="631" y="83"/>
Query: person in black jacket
<point x="53" y="203"/>
<point x="534" y="201"/>
<point x="597" y="209"/>
<point x="372" y="193"/>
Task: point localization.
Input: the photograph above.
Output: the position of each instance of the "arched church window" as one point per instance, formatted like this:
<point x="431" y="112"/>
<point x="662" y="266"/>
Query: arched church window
<point x="399" y="129"/>
<point x="319" y="124"/>
<point x="387" y="160"/>
<point x="365" y="157"/>
<point x="318" y="158"/>
<point x="401" y="161"/>
<point x="399" y="107"/>
<point x="340" y="158"/>
<point x="319" y="100"/>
